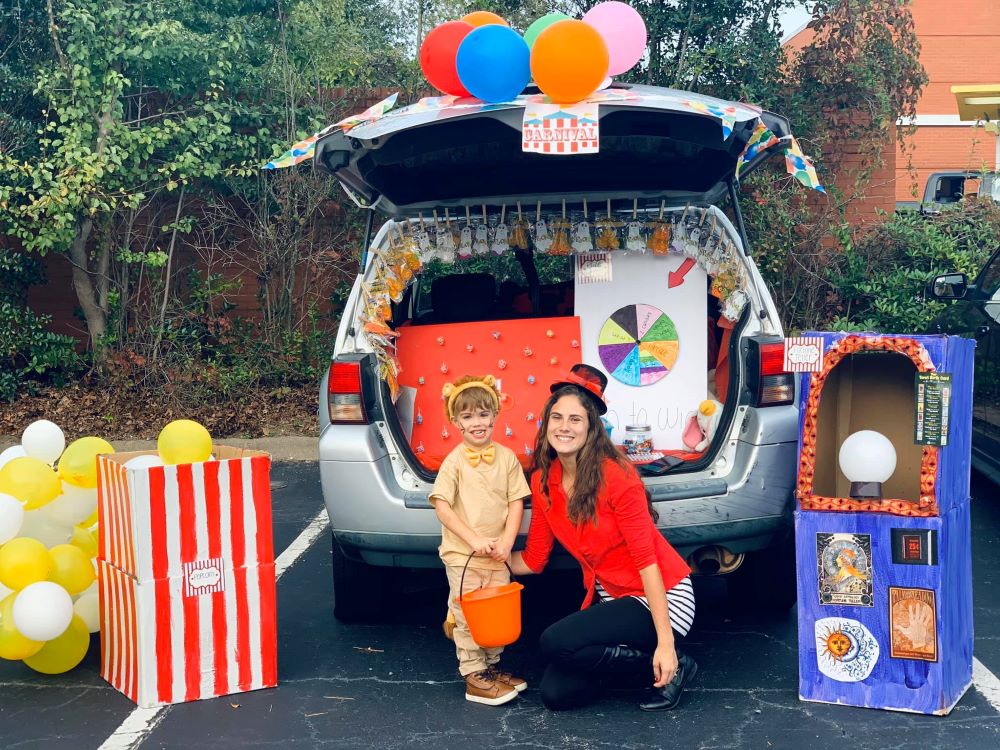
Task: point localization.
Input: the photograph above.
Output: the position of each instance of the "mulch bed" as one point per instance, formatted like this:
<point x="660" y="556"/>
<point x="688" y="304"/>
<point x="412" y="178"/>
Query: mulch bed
<point x="139" y="414"/>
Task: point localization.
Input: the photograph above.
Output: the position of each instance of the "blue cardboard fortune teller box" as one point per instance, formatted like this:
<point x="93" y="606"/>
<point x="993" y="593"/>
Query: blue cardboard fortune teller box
<point x="885" y="576"/>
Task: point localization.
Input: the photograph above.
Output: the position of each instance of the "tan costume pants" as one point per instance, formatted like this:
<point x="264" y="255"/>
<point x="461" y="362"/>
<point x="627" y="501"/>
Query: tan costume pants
<point x="472" y="658"/>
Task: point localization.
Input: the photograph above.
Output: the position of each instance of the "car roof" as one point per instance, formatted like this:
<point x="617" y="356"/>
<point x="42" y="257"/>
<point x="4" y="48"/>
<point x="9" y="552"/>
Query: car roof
<point x="655" y="143"/>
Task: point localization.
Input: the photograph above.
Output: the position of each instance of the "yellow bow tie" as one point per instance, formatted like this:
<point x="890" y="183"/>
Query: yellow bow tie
<point x="487" y="454"/>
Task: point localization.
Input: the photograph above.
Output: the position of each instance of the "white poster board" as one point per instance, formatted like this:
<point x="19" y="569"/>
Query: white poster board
<point x="650" y="339"/>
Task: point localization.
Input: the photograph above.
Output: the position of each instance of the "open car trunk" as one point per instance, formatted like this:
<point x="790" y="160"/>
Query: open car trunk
<point x="503" y="260"/>
<point x="663" y="322"/>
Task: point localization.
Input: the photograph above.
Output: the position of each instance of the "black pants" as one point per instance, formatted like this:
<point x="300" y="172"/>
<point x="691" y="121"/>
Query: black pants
<point x="574" y="645"/>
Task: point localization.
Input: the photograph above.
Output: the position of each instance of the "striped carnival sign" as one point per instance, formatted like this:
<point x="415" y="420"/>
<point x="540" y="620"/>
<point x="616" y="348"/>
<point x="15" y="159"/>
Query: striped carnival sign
<point x="568" y="130"/>
<point x="803" y="354"/>
<point x="187" y="583"/>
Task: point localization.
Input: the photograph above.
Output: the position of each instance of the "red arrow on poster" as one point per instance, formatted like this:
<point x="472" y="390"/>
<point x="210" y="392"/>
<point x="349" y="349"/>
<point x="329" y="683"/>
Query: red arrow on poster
<point x="676" y="278"/>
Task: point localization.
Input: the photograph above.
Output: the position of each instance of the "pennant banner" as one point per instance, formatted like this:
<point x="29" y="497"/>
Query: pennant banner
<point x="761" y="139"/>
<point x="305" y="149"/>
<point x="801" y="167"/>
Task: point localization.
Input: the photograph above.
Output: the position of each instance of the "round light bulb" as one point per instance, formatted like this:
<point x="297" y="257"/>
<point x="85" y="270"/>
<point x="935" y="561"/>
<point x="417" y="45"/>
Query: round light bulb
<point x="867" y="456"/>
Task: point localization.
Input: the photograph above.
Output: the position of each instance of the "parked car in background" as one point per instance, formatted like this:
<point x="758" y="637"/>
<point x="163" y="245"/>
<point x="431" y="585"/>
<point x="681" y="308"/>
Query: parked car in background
<point x="943" y="189"/>
<point x="977" y="314"/>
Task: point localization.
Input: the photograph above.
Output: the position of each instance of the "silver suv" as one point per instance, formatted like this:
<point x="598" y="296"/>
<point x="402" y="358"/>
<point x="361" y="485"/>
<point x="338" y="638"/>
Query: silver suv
<point x="666" y="159"/>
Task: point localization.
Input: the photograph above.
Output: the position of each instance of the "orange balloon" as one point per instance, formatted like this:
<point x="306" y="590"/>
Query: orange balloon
<point x="569" y="61"/>
<point x="483" y="18"/>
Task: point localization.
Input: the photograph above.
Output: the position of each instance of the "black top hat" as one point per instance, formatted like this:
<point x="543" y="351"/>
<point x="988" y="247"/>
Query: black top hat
<point x="588" y="379"/>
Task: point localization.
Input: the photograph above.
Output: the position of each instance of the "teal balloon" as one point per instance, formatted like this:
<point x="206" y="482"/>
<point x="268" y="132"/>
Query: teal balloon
<point x="537" y="27"/>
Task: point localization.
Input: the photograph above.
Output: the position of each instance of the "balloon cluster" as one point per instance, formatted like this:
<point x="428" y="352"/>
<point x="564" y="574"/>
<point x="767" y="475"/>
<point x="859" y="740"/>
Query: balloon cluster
<point x="49" y="603"/>
<point x="481" y="56"/>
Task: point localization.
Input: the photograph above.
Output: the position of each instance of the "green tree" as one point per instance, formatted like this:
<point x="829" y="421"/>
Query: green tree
<point x="135" y="104"/>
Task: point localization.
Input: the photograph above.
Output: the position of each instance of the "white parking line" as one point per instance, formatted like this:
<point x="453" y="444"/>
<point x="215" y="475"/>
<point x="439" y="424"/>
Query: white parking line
<point x="142" y="721"/>
<point x="986" y="683"/>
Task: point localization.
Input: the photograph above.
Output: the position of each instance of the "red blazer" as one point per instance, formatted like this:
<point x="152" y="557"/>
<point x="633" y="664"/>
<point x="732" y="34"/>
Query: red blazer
<point x="615" y="548"/>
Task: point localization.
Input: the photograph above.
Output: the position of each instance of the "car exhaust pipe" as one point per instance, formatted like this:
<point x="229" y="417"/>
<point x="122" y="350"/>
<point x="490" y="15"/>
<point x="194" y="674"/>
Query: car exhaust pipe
<point x="714" y="560"/>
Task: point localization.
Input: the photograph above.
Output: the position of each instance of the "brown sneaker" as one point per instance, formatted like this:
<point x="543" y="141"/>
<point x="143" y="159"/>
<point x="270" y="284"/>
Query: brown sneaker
<point x="448" y="626"/>
<point x="483" y="687"/>
<point x="515" y="682"/>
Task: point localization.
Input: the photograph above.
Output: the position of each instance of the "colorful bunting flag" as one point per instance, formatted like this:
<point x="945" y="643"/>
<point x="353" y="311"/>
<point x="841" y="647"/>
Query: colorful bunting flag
<point x="801" y="167"/>
<point x="725" y="115"/>
<point x="761" y="139"/>
<point x="305" y="149"/>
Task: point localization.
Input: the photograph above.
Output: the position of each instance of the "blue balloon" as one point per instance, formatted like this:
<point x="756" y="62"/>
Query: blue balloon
<point x="493" y="63"/>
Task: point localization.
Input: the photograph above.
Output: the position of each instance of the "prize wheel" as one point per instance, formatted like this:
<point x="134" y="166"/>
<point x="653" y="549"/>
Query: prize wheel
<point x="638" y="344"/>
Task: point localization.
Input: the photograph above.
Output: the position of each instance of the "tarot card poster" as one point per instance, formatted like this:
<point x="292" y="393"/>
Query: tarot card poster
<point x="844" y="567"/>
<point x="912" y="624"/>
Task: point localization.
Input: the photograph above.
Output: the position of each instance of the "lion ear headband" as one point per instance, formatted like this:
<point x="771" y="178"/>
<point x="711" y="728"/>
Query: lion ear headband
<point x="450" y="392"/>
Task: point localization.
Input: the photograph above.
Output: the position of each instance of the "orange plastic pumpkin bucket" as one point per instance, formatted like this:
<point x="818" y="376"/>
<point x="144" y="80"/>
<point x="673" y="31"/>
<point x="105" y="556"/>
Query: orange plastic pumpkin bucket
<point x="493" y="613"/>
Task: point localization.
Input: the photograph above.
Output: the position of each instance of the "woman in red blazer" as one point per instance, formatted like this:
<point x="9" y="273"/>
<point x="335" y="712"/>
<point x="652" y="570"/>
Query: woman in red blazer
<point x="588" y="496"/>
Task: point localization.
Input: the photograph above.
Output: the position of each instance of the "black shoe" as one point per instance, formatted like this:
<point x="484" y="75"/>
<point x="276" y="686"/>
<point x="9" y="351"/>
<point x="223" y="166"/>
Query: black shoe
<point x="668" y="696"/>
<point x="623" y="660"/>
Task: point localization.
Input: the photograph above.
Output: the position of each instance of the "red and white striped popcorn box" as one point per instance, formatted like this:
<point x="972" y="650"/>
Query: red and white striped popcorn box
<point x="186" y="571"/>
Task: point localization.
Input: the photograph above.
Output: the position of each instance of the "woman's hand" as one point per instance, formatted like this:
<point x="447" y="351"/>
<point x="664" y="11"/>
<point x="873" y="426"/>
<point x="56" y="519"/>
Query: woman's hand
<point x="501" y="551"/>
<point x="481" y="545"/>
<point x="664" y="665"/>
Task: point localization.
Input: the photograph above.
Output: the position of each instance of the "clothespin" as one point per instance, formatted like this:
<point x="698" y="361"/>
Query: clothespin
<point x="609" y="208"/>
<point x="447" y="219"/>
<point x="468" y="217"/>
<point x="635" y="209"/>
<point x="564" y="209"/>
<point x="484" y="213"/>
<point x="538" y="211"/>
<point x="663" y="203"/>
<point x="584" y="209"/>
<point x="503" y="211"/>
<point x="519" y="217"/>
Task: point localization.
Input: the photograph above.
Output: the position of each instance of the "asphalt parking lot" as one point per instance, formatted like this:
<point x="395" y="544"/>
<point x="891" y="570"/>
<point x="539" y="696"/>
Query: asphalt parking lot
<point x="394" y="684"/>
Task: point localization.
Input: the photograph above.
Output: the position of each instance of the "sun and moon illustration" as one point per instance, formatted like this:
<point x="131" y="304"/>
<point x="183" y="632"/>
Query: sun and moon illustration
<point x="845" y="649"/>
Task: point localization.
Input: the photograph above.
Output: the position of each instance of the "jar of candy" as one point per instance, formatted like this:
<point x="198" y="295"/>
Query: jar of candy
<point x="638" y="439"/>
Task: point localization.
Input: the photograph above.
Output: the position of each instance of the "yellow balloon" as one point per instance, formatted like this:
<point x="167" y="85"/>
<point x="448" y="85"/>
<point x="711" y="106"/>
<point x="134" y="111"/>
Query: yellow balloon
<point x="31" y="481"/>
<point x="13" y="645"/>
<point x="71" y="568"/>
<point x="90" y="521"/>
<point x="63" y="653"/>
<point x="24" y="561"/>
<point x="78" y="464"/>
<point x="84" y="539"/>
<point x="184" y="441"/>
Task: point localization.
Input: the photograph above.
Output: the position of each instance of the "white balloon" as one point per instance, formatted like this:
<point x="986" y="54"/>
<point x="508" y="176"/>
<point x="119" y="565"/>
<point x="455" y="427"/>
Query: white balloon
<point x="43" y="440"/>
<point x="88" y="608"/>
<point x="15" y="451"/>
<point x="42" y="611"/>
<point x="91" y="589"/>
<point x="72" y="506"/>
<point x="39" y="526"/>
<point x="11" y="517"/>
<point x="147" y="461"/>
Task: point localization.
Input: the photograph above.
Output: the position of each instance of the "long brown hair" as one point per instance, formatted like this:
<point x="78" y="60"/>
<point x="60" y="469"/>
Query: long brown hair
<point x="597" y="446"/>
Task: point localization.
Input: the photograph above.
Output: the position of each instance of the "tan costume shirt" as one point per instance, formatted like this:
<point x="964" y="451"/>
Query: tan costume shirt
<point x="479" y="496"/>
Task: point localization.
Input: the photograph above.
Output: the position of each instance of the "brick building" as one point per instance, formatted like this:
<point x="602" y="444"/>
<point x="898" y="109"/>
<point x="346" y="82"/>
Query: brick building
<point x="959" y="45"/>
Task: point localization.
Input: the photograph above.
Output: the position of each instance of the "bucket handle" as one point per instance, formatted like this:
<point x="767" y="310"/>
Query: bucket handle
<point x="461" y="585"/>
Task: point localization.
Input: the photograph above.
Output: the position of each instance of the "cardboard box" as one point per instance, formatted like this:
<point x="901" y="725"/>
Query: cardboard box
<point x="186" y="577"/>
<point x="885" y="585"/>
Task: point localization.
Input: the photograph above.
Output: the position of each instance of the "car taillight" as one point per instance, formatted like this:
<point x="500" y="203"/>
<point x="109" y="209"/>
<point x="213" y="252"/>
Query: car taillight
<point x="774" y="386"/>
<point x="345" y="394"/>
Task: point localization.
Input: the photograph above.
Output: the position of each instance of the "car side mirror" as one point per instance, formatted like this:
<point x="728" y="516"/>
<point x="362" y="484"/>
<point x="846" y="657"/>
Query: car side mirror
<point x="950" y="286"/>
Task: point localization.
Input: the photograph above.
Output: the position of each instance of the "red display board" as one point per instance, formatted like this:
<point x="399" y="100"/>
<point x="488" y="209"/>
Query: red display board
<point x="524" y="355"/>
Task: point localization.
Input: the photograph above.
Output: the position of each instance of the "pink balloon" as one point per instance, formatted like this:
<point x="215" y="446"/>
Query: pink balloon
<point x="624" y="32"/>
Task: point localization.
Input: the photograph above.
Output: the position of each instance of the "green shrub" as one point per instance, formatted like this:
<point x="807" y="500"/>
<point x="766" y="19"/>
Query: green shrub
<point x="29" y="354"/>
<point x="881" y="273"/>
